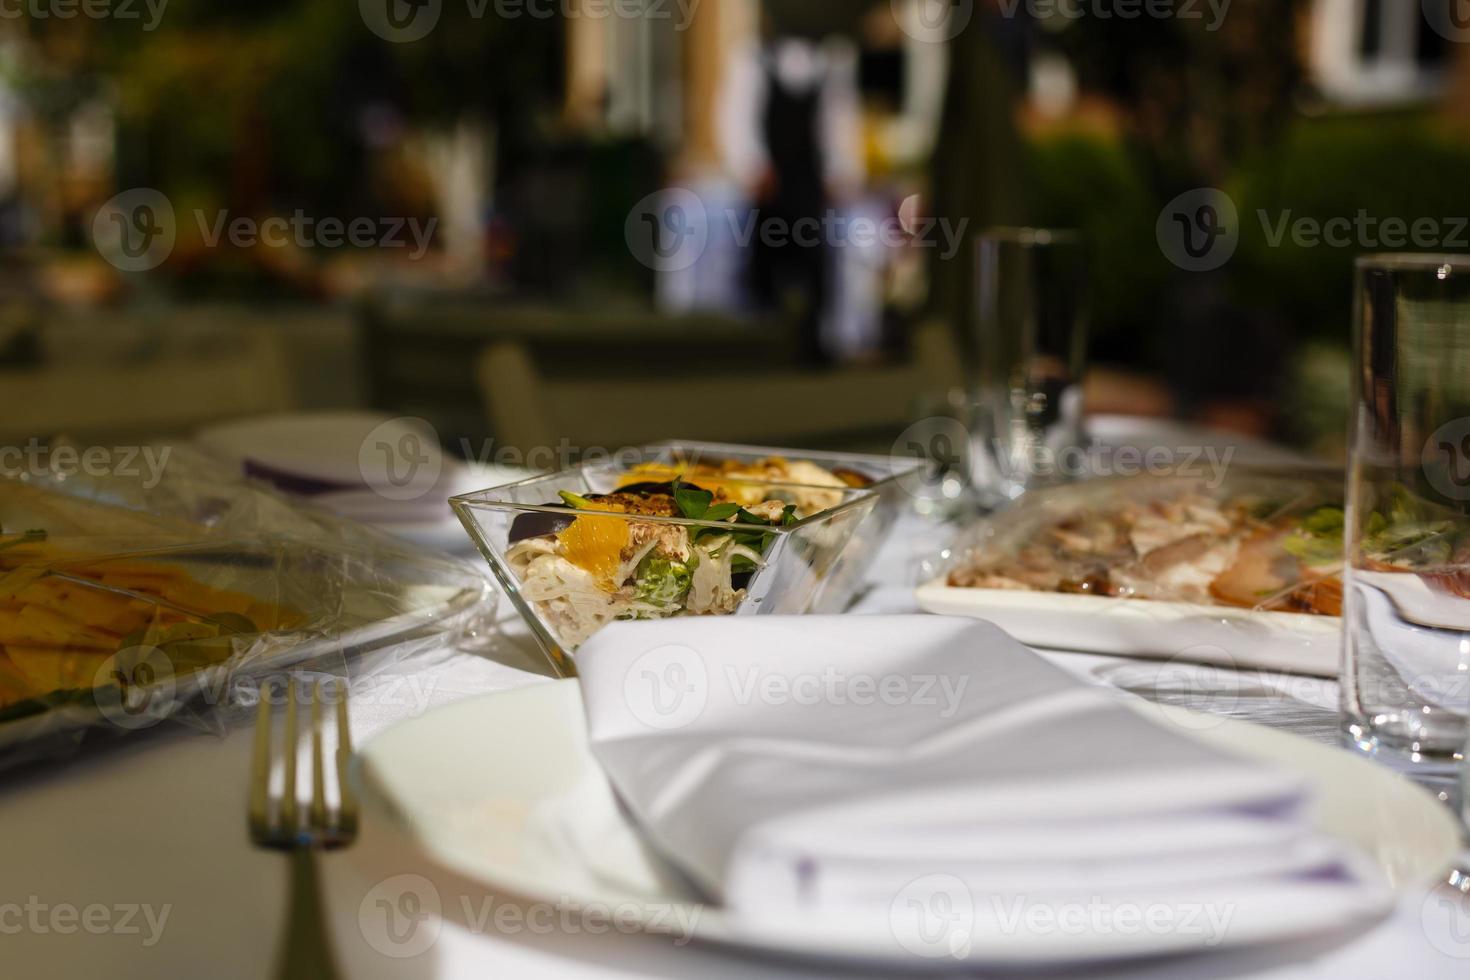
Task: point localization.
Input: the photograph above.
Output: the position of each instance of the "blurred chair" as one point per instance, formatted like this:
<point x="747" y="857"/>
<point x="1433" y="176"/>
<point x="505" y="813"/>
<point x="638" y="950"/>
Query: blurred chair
<point x="849" y="408"/>
<point x="422" y="347"/>
<point x="167" y="395"/>
<point x="320" y="344"/>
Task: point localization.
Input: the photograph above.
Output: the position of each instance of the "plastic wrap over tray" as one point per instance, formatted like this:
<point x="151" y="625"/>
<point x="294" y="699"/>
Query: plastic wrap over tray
<point x="126" y="603"/>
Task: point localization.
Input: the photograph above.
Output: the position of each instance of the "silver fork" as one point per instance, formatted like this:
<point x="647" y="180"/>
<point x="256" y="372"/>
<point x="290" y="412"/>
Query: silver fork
<point x="276" y="823"/>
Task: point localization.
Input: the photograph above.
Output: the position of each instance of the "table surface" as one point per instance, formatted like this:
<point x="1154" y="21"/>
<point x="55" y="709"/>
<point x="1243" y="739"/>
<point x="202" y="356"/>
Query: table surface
<point x="133" y="861"/>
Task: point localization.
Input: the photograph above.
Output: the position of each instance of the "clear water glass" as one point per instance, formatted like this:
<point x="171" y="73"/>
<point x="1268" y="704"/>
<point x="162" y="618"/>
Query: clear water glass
<point x="1028" y="355"/>
<point x="1406" y="613"/>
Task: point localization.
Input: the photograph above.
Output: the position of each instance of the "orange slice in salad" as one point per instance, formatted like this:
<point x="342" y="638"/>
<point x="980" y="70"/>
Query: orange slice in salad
<point x="595" y="545"/>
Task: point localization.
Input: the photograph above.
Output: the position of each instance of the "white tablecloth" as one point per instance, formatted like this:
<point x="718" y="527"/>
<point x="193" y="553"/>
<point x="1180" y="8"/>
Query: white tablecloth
<point x="160" y="822"/>
<point x="157" y="825"/>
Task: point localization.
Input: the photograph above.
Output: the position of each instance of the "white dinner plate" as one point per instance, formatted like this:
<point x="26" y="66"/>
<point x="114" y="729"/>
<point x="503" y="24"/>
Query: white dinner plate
<point x="1293" y="643"/>
<point x="503" y="791"/>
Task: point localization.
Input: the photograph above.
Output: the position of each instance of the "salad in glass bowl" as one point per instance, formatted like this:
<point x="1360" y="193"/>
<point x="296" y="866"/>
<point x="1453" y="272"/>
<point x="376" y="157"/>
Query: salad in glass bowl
<point x="579" y="550"/>
<point x="814" y="480"/>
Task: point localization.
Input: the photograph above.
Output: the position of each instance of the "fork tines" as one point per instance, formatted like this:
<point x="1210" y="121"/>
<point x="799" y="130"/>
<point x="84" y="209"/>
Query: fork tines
<point x="275" y="815"/>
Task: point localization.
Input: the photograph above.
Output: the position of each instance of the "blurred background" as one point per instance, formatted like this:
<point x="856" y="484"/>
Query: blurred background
<point x="437" y="208"/>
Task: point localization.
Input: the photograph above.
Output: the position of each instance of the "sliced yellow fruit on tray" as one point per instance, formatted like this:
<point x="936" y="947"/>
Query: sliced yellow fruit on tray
<point x="14" y="686"/>
<point x="15" y="581"/>
<point x="49" y="669"/>
<point x="87" y="606"/>
<point x="39" y="626"/>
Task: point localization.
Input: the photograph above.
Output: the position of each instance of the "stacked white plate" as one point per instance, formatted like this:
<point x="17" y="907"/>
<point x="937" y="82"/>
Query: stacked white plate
<point x="390" y="473"/>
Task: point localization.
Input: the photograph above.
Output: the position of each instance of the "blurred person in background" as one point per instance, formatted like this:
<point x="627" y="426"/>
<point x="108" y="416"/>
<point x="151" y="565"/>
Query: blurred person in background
<point x="791" y="134"/>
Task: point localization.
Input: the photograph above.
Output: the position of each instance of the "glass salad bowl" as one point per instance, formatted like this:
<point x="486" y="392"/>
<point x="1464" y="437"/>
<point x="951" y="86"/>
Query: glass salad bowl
<point x="812" y="476"/>
<point x="577" y="550"/>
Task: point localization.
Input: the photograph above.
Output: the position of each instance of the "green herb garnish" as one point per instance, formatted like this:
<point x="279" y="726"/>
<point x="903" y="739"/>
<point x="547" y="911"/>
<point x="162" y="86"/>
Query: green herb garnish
<point x="1318" y="538"/>
<point x="693" y="502"/>
<point x="662" y="581"/>
<point x="576" y="501"/>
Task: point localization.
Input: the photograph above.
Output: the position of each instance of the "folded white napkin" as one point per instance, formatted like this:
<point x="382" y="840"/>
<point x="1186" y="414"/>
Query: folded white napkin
<point x="1420" y="632"/>
<point x="851" y="774"/>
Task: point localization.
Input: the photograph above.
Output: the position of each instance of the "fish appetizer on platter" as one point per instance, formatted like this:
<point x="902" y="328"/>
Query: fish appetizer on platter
<point x="1258" y="542"/>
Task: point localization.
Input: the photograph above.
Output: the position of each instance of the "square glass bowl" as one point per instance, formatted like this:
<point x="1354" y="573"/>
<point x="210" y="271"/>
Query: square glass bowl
<point x="895" y="480"/>
<point x="530" y="536"/>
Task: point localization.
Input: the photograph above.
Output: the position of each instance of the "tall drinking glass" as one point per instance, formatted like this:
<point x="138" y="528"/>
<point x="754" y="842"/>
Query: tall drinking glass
<point x="1030" y="343"/>
<point x="1406" y="610"/>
